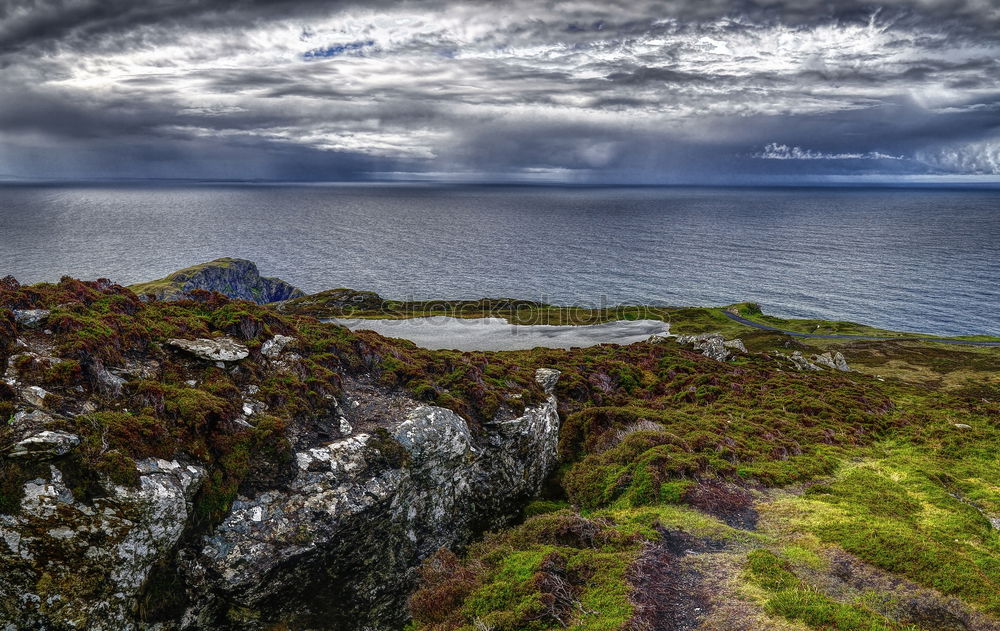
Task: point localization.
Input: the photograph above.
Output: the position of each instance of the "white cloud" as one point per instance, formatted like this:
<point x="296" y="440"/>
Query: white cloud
<point x="493" y="58"/>
<point x="976" y="158"/>
<point x="776" y="151"/>
<point x="401" y="81"/>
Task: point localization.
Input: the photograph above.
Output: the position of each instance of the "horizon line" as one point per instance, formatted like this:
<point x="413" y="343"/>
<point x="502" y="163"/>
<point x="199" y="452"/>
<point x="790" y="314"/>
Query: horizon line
<point x="847" y="184"/>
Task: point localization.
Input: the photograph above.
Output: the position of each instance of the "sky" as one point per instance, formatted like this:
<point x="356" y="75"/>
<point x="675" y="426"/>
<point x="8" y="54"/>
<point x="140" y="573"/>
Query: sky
<point x="580" y="91"/>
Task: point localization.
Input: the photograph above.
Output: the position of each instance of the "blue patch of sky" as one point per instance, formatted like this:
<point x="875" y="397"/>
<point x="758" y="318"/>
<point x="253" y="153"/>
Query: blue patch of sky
<point x="337" y="49"/>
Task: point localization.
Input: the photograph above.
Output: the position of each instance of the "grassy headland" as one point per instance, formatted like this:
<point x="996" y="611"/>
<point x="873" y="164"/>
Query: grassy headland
<point x="690" y="493"/>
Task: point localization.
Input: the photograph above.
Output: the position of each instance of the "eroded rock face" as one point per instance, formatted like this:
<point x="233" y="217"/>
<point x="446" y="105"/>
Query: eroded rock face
<point x="72" y="563"/>
<point x="333" y="546"/>
<point x="337" y="549"/>
<point x="224" y="349"/>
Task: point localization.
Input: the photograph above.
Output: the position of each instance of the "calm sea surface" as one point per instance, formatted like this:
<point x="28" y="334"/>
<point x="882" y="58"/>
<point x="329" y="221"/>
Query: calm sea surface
<point x="920" y="260"/>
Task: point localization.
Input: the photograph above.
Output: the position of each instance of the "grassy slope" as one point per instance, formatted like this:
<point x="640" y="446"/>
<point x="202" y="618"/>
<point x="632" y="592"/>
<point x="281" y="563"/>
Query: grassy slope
<point x="849" y="471"/>
<point x="175" y="281"/>
<point x="900" y="488"/>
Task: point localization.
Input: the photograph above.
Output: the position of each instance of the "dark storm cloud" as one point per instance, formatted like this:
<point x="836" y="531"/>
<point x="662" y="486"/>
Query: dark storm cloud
<point x="639" y="91"/>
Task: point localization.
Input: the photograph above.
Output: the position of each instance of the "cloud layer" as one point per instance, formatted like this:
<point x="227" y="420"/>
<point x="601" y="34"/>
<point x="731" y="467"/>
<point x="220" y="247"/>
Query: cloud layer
<point x="697" y="91"/>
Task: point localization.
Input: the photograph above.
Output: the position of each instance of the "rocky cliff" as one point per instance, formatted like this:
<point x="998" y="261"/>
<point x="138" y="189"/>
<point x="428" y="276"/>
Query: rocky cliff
<point x="236" y="278"/>
<point x="337" y="548"/>
<point x="211" y="465"/>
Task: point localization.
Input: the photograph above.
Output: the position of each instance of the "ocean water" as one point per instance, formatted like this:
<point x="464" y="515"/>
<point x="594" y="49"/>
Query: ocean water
<point x="917" y="260"/>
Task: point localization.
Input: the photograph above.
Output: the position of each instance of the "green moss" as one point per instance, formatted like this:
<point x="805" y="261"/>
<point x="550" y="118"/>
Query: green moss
<point x="820" y="612"/>
<point x="769" y="571"/>
<point x="540" y="507"/>
<point x="905" y="513"/>
<point x="791" y="598"/>
<point x="556" y="570"/>
<point x="383" y="450"/>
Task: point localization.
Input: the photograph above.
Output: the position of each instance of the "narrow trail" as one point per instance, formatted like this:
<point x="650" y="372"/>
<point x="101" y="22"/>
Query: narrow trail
<point x="829" y="336"/>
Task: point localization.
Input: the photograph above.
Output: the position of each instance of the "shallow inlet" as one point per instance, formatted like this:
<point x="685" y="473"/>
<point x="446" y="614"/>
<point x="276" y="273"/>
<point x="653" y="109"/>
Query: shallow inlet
<point x="496" y="334"/>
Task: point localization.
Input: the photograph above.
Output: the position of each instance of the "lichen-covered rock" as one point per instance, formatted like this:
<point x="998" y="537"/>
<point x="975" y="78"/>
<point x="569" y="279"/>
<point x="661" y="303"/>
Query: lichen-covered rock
<point x="712" y="345"/>
<point x="801" y="363"/>
<point x="736" y="344"/>
<point x="34" y="395"/>
<point x="337" y="549"/>
<point x="224" y="349"/>
<point x="547" y="378"/>
<point x="70" y="563"/>
<point x="30" y="317"/>
<point x="236" y="278"/>
<point x="44" y="445"/>
<point x="108" y="383"/>
<point x="272" y="348"/>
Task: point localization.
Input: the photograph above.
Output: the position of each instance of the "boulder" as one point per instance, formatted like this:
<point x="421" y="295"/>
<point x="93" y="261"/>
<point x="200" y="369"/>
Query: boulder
<point x="801" y="363"/>
<point x="30" y="317"/>
<point x="34" y="395"/>
<point x="273" y="347"/>
<point x="44" y="445"/>
<point x="712" y="345"/>
<point x="91" y="556"/>
<point x="547" y="378"/>
<point x="833" y="361"/>
<point x="222" y="349"/>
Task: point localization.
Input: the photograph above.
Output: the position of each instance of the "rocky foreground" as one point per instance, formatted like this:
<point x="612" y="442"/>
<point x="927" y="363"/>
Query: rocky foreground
<point x="210" y="463"/>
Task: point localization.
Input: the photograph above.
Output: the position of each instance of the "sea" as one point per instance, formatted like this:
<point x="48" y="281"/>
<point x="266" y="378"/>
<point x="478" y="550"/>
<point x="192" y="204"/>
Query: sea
<point x="924" y="260"/>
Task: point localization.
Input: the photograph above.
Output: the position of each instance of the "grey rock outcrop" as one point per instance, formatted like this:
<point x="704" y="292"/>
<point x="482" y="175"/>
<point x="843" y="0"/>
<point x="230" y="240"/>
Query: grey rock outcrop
<point x="338" y="548"/>
<point x="273" y="347"/>
<point x="334" y="546"/>
<point x="34" y="395"/>
<point x="30" y="317"/>
<point x="70" y="563"/>
<point x="831" y="361"/>
<point x="713" y="345"/>
<point x="223" y="349"/>
<point x="801" y="363"/>
<point x="44" y="445"/>
<point x="840" y="362"/>
<point x="236" y="278"/>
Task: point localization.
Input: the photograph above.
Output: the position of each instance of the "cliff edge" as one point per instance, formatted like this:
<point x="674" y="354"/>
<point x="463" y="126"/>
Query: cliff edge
<point x="236" y="278"/>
